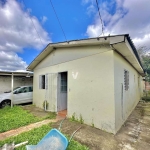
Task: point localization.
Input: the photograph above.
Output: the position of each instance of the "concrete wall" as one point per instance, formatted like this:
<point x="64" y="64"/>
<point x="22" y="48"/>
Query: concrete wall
<point x="125" y="100"/>
<point x="5" y="82"/>
<point x="91" y="93"/>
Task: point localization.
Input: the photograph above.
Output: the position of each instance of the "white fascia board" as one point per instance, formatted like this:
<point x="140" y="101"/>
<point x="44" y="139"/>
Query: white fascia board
<point x="126" y="51"/>
<point x="40" y="57"/>
<point x="131" y="51"/>
<point x="86" y="42"/>
<point x="117" y="39"/>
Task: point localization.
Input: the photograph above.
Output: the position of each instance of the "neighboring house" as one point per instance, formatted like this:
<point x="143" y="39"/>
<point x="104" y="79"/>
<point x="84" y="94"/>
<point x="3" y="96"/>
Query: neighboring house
<point x="147" y="86"/>
<point x="97" y="79"/>
<point x="19" y="79"/>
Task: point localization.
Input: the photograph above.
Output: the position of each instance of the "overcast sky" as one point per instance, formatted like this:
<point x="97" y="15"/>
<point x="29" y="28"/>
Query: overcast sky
<point x="27" y="26"/>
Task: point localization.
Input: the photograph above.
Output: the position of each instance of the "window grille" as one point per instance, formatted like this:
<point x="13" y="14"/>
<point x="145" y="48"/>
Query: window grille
<point x="126" y="80"/>
<point x="64" y="82"/>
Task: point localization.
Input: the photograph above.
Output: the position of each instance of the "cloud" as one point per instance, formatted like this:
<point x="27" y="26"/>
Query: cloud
<point x="87" y="1"/>
<point x="18" y="30"/>
<point x="124" y="16"/>
<point x="44" y="19"/>
<point x="10" y="61"/>
<point x="91" y="10"/>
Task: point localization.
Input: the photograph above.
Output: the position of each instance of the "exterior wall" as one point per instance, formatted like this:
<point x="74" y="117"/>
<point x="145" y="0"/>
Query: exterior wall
<point x="125" y="100"/>
<point x="5" y="82"/>
<point x="63" y="55"/>
<point x="90" y="93"/>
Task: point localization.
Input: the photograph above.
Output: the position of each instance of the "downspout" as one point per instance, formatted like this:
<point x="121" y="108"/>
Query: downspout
<point x="122" y="103"/>
<point x="45" y="108"/>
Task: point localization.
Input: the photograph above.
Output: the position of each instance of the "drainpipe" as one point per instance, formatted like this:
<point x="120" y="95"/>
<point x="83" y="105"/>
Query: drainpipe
<point x="45" y="109"/>
<point x="12" y="84"/>
<point x="122" y="101"/>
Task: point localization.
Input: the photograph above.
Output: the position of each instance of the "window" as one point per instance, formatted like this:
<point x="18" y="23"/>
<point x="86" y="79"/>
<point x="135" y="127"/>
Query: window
<point x="42" y="81"/>
<point x="31" y="89"/>
<point x="64" y="82"/>
<point x="22" y="90"/>
<point x="126" y="80"/>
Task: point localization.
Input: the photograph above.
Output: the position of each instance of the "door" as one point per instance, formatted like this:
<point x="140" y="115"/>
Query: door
<point x="62" y="91"/>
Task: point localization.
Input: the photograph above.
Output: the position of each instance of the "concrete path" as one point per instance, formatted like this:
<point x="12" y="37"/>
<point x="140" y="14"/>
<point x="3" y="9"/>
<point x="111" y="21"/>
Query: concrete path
<point x="29" y="127"/>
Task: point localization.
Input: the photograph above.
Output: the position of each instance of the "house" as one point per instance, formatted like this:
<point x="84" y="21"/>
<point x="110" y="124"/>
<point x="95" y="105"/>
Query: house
<point x="147" y="86"/>
<point x="98" y="80"/>
<point x="18" y="78"/>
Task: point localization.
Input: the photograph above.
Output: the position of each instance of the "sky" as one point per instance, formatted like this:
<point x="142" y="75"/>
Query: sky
<point x="27" y="26"/>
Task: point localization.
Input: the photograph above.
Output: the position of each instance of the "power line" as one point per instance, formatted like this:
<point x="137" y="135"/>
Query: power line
<point x="35" y="28"/>
<point x="100" y="18"/>
<point x="58" y="20"/>
<point x="36" y="31"/>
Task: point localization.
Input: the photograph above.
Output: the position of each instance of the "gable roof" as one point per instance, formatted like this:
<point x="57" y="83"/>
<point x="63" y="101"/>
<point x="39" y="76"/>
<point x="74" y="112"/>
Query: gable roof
<point x="120" y="43"/>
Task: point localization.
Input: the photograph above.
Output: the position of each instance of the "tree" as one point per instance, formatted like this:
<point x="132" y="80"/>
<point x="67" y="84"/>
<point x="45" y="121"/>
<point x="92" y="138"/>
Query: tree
<point x="145" y="60"/>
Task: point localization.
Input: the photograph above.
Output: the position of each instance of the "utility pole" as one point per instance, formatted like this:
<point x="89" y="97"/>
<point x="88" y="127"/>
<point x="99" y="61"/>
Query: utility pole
<point x="12" y="86"/>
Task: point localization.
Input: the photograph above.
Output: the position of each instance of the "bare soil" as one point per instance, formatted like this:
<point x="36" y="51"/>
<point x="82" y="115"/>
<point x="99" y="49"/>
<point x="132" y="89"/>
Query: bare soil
<point x="38" y="112"/>
<point x="133" y="135"/>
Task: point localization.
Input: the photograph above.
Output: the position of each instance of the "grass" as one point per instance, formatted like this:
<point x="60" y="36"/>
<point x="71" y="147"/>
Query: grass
<point x="50" y="115"/>
<point x="146" y="96"/>
<point x="11" y="118"/>
<point x="35" y="135"/>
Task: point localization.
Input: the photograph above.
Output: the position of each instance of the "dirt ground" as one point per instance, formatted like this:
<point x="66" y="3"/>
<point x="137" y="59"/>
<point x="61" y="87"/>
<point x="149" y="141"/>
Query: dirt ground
<point x="38" y="112"/>
<point x="134" y="134"/>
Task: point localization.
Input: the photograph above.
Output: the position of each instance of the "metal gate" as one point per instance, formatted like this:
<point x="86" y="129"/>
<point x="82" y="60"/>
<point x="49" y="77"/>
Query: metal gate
<point x="51" y="91"/>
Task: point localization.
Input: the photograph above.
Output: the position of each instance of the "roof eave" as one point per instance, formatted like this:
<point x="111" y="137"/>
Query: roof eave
<point x="116" y="39"/>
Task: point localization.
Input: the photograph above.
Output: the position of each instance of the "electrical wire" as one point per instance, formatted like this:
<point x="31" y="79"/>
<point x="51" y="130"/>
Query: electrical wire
<point x="37" y="31"/>
<point x="100" y="18"/>
<point x="58" y="20"/>
<point x="35" y="28"/>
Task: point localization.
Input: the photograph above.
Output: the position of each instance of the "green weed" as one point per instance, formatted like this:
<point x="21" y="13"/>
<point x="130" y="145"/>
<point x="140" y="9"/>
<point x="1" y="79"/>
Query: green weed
<point x="11" y="118"/>
<point x="81" y="119"/>
<point x="35" y="135"/>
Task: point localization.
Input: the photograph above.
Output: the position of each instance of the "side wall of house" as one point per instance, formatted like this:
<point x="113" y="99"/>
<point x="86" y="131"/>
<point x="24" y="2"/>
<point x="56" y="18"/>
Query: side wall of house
<point x="90" y="84"/>
<point x="5" y="82"/>
<point x="125" y="100"/>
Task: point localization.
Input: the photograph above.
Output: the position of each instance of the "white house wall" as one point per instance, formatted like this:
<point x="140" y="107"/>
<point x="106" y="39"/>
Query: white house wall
<point x="126" y="100"/>
<point x="5" y="82"/>
<point x="90" y="84"/>
<point x="62" y="55"/>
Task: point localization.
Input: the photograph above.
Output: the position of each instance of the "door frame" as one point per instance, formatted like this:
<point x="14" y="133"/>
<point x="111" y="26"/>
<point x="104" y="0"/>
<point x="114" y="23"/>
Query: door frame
<point x="58" y="89"/>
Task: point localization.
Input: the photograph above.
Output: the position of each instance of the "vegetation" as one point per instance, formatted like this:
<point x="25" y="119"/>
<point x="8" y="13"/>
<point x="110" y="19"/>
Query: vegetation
<point x="35" y="135"/>
<point x="145" y="60"/>
<point x="146" y="96"/>
<point x="81" y="119"/>
<point x="50" y="115"/>
<point x="73" y="117"/>
<point x="11" y="118"/>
